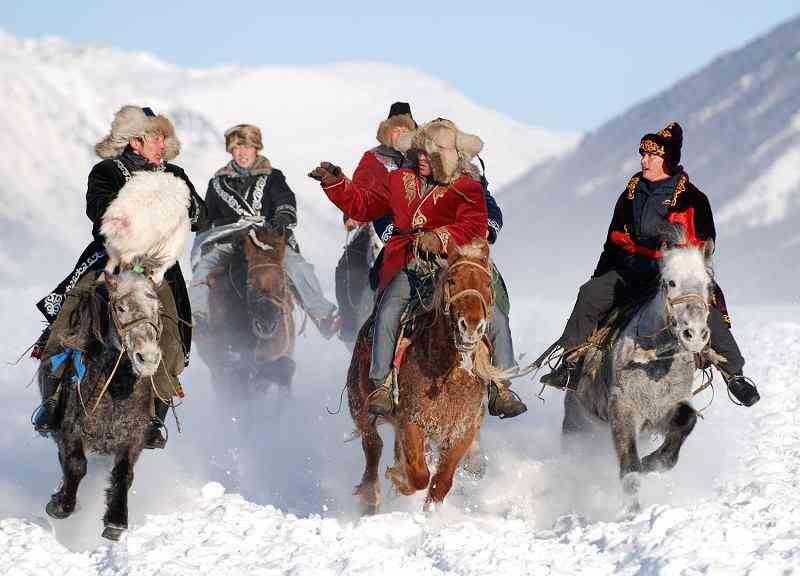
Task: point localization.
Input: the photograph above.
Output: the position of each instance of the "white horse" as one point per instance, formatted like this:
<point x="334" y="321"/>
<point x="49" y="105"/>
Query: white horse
<point x="644" y="383"/>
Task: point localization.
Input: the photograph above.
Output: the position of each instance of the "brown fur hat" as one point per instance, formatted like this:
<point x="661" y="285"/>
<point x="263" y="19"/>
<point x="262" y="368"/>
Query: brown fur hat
<point x="137" y="122"/>
<point x="243" y="135"/>
<point x="449" y="149"/>
<point x="398" y="121"/>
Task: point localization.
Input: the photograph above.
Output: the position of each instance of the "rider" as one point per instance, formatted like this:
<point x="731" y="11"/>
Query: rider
<point x="459" y="216"/>
<point x="139" y="140"/>
<point x="249" y="187"/>
<point x="655" y="198"/>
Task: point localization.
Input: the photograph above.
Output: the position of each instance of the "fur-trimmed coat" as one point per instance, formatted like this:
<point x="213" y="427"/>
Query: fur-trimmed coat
<point x="106" y="179"/>
<point x="456" y="212"/>
<point x="262" y="191"/>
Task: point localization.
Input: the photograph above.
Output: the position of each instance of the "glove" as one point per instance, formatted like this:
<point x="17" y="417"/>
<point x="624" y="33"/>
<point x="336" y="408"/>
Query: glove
<point x="429" y="243"/>
<point x="326" y="173"/>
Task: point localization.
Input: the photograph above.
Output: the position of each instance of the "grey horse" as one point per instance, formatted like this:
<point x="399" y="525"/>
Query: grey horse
<point x="644" y="382"/>
<point x="107" y="409"/>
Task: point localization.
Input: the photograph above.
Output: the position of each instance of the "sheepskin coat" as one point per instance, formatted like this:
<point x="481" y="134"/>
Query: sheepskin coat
<point x="105" y="182"/>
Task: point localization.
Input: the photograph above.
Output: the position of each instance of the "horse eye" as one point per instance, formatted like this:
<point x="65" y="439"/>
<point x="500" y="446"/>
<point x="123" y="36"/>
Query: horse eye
<point x="672" y="284"/>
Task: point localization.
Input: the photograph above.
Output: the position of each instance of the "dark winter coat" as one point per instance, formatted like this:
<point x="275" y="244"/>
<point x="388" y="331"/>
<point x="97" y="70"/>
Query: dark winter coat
<point x="105" y="181"/>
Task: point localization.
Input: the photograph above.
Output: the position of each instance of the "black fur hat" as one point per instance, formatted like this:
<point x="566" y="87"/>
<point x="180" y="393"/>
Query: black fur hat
<point x="666" y="143"/>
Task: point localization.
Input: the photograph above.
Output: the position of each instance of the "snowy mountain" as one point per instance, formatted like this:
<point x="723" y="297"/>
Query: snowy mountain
<point x="741" y="120"/>
<point x="60" y="99"/>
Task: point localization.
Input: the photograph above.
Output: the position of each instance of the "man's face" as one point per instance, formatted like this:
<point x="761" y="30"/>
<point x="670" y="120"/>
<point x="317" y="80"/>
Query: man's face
<point x="424" y="165"/>
<point x="396" y="132"/>
<point x="244" y="156"/>
<point x="151" y="148"/>
<point x="653" y="167"/>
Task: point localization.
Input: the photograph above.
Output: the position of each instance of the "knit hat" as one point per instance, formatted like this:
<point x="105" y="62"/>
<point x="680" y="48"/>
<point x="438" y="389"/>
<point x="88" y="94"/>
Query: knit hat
<point x="399" y="117"/>
<point x="666" y="143"/>
<point x="243" y="135"/>
<point x="137" y="122"/>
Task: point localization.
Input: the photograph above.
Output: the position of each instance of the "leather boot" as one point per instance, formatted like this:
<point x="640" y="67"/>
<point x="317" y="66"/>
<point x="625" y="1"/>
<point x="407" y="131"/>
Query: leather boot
<point x="503" y="402"/>
<point x="381" y="402"/>
<point x="153" y="437"/>
<point x="743" y="389"/>
<point x="563" y="377"/>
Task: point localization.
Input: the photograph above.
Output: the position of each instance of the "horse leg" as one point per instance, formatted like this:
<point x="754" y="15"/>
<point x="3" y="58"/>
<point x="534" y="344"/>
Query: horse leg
<point x="681" y="423"/>
<point x="369" y="490"/>
<point x="116" y="516"/>
<point x="410" y="473"/>
<point x="449" y="459"/>
<point x="473" y="461"/>
<point x="73" y="469"/>
<point x="624" y="432"/>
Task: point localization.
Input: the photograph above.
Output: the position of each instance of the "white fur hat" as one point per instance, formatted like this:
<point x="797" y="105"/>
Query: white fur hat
<point x="137" y="122"/>
<point x="448" y="148"/>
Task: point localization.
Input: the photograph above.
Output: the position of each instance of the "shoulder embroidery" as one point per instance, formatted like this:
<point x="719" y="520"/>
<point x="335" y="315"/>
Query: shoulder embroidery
<point x="123" y="169"/>
<point x="258" y="193"/>
<point x="632" y="184"/>
<point x="410" y="186"/>
<point x="680" y="188"/>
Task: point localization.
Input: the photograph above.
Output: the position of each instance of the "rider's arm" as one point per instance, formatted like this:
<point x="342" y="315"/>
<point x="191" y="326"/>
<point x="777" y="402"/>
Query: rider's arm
<point x="359" y="203"/>
<point x="102" y="188"/>
<point x="471" y="219"/>
<point x="605" y="262"/>
<point x="284" y="213"/>
<point x="495" y="214"/>
<point x="704" y="219"/>
<point x="198" y="213"/>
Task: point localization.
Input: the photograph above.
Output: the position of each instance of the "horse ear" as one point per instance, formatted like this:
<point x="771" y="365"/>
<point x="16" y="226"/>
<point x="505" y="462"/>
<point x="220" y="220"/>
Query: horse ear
<point x="708" y="249"/>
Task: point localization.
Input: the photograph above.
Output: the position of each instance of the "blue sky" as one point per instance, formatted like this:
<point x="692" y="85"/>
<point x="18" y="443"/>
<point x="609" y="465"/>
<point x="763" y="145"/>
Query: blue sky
<point x="563" y="65"/>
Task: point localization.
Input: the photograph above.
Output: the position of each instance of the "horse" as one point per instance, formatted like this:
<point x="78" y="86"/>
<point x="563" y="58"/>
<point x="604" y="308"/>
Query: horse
<point x="441" y="384"/>
<point x="107" y="408"/>
<point x="251" y="324"/>
<point x="643" y="383"/>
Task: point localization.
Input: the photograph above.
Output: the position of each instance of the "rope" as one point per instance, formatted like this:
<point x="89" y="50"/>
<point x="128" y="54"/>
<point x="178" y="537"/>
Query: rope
<point x="108" y="381"/>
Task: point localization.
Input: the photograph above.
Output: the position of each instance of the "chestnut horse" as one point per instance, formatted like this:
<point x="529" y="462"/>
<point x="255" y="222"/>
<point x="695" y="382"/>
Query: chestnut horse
<point x="441" y="382"/>
<point x="250" y="316"/>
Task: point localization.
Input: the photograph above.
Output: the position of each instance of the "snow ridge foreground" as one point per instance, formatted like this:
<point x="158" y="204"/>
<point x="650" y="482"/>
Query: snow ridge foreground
<point x="748" y="527"/>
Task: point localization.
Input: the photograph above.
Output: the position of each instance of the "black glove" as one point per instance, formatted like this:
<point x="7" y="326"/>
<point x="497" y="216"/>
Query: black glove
<point x="327" y="173"/>
<point x="743" y="390"/>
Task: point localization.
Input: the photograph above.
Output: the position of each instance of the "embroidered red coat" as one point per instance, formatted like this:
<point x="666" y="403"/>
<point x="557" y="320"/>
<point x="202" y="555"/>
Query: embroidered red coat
<point x="455" y="212"/>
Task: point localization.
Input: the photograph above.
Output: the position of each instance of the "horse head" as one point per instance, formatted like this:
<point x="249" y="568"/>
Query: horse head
<point x="267" y="287"/>
<point x="135" y="312"/>
<point x="687" y="284"/>
<point x="466" y="293"/>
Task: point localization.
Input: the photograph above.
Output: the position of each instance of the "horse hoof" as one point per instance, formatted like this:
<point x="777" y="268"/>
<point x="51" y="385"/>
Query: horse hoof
<point x="114" y="532"/>
<point x="56" y="509"/>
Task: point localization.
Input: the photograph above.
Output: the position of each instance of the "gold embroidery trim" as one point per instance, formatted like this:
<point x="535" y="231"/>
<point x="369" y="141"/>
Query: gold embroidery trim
<point x="444" y="237"/>
<point x="680" y="188"/>
<point x="438" y="192"/>
<point x="651" y="147"/>
<point x="632" y="184"/>
<point x="666" y="131"/>
<point x="419" y="220"/>
<point x="410" y="185"/>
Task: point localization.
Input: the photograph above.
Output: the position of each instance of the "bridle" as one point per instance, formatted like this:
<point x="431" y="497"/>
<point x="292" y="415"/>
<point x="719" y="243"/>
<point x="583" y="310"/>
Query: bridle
<point x="683" y="299"/>
<point x="467" y="292"/>
<point x="122" y="329"/>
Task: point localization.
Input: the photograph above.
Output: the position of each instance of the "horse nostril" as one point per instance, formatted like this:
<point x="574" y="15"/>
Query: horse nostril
<point x="688" y="334"/>
<point x="462" y="325"/>
<point x="140" y="357"/>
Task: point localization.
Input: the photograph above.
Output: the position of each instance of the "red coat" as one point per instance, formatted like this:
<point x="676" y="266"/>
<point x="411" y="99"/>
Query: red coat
<point x="455" y="212"/>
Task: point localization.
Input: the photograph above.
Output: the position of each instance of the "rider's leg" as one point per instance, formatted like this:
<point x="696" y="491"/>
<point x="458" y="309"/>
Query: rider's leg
<point x="390" y="307"/>
<point x="595" y="299"/>
<point x="502" y="402"/>
<point x="723" y="343"/>
<point x="198" y="288"/>
<point x="305" y="282"/>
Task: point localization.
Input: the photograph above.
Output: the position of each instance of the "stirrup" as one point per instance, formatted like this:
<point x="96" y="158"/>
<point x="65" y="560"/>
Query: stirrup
<point x="43" y="417"/>
<point x="515" y="404"/>
<point x="153" y="439"/>
<point x="380" y="401"/>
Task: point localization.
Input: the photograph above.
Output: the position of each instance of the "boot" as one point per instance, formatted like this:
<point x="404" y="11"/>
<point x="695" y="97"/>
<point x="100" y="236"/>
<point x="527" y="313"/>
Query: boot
<point x="563" y="377"/>
<point x="44" y="417"/>
<point x="153" y="437"/>
<point x="503" y="402"/>
<point x="743" y="389"/>
<point x="381" y="402"/>
<point x="330" y="325"/>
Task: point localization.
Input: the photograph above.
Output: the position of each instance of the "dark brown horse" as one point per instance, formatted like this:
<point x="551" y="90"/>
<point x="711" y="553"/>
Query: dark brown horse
<point x="251" y="325"/>
<point x="441" y="382"/>
<point x="114" y="333"/>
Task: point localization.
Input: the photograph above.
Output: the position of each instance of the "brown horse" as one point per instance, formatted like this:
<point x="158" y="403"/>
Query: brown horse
<point x="250" y="315"/>
<point x="441" y="381"/>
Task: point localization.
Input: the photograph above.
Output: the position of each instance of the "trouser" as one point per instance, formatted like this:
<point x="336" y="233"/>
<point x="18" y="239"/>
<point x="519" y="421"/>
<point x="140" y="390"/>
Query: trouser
<point x="601" y="294"/>
<point x="390" y="307"/>
<point x="301" y="275"/>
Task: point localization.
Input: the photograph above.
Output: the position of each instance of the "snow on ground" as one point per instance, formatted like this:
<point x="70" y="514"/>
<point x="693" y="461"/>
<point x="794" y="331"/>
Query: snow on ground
<point x="730" y="507"/>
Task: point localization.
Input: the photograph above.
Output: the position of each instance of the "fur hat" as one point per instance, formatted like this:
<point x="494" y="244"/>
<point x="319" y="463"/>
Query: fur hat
<point x="449" y="150"/>
<point x="243" y="135"/>
<point x="137" y="122"/>
<point x="666" y="143"/>
<point x="399" y="117"/>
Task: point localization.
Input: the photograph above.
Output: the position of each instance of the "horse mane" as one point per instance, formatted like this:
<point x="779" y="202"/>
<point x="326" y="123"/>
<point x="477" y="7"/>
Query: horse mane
<point x="88" y="321"/>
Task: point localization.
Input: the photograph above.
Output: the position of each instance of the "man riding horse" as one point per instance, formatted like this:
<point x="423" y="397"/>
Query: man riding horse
<point x="139" y="141"/>
<point x="439" y="201"/>
<point x="655" y="199"/>
<point x="248" y="187"/>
